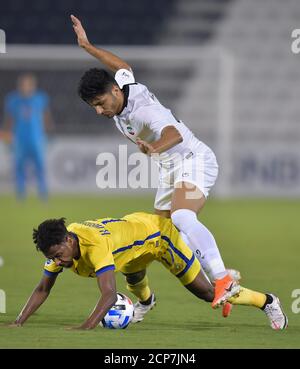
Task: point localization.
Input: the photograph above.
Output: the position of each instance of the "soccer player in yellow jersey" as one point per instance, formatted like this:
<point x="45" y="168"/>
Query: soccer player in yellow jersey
<point x="98" y="248"/>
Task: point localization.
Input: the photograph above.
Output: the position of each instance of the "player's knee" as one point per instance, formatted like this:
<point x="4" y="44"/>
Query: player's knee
<point x="183" y="218"/>
<point x="135" y="278"/>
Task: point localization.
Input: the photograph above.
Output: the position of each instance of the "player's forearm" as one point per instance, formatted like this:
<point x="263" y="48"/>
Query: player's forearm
<point x="34" y="302"/>
<point x="170" y="137"/>
<point x="111" y="61"/>
<point x="102" y="307"/>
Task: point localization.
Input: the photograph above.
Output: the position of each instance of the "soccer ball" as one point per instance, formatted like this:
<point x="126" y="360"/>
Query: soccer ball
<point x="120" y="315"/>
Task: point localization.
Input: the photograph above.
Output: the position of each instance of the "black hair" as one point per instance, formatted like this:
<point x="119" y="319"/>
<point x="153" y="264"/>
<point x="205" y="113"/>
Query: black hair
<point x="95" y="82"/>
<point x="50" y="232"/>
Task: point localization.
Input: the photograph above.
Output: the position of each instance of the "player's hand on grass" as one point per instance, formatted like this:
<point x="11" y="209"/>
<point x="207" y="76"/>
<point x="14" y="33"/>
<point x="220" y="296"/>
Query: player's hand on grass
<point x="80" y="32"/>
<point x="11" y="325"/>
<point x="145" y="147"/>
<point x="15" y="325"/>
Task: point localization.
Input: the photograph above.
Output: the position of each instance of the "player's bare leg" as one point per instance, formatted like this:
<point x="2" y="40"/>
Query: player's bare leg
<point x="201" y="288"/>
<point x="187" y="201"/>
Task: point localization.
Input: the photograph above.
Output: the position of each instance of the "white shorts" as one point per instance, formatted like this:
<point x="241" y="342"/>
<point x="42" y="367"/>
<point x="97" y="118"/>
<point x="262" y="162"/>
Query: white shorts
<point x="197" y="168"/>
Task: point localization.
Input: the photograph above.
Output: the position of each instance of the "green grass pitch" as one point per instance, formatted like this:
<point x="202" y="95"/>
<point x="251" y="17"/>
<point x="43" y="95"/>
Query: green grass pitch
<point x="258" y="237"/>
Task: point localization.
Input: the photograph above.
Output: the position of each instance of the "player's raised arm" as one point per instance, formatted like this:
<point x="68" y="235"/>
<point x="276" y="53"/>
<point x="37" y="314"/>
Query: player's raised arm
<point x="39" y="295"/>
<point x="111" y="61"/>
<point x="107" y="285"/>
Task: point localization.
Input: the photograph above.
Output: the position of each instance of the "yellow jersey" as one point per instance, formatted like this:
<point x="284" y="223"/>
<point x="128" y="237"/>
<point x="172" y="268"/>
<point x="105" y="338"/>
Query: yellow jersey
<point x="128" y="245"/>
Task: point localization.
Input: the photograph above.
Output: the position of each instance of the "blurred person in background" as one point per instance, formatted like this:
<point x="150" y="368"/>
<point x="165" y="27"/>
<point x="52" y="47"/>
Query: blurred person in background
<point x="27" y="117"/>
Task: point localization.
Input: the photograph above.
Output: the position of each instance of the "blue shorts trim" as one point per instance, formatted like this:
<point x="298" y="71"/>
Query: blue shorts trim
<point x="188" y="261"/>
<point x="188" y="265"/>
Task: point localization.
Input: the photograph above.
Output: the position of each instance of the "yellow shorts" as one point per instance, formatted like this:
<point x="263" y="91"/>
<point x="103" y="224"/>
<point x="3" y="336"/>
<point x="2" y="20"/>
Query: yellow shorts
<point x="171" y="251"/>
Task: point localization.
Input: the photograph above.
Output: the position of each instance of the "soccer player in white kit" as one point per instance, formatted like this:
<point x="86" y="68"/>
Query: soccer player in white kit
<point x="188" y="168"/>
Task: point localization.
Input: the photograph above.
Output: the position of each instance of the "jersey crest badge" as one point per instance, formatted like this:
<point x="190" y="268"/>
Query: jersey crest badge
<point x="130" y="130"/>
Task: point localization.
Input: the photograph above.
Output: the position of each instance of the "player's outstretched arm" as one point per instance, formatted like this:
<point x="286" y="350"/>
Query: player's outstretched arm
<point x="107" y="285"/>
<point x="39" y="295"/>
<point x="111" y="61"/>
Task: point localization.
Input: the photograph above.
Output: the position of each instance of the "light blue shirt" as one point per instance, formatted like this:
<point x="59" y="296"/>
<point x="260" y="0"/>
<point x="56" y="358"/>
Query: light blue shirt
<point x="28" y="116"/>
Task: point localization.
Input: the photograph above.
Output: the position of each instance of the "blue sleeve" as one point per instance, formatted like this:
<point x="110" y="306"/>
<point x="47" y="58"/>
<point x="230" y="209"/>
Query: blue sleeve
<point x="51" y="274"/>
<point x="105" y="269"/>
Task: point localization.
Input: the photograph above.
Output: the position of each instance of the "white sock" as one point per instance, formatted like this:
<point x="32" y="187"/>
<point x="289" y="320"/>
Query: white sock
<point x="201" y="242"/>
<point x="186" y="240"/>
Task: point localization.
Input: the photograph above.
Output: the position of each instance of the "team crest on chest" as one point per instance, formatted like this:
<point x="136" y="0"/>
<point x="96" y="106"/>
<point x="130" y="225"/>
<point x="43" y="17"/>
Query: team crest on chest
<point x="130" y="130"/>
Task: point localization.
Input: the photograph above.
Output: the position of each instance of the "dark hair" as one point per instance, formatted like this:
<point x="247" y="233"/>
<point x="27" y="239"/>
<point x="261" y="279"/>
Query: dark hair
<point x="95" y="82"/>
<point x="50" y="232"/>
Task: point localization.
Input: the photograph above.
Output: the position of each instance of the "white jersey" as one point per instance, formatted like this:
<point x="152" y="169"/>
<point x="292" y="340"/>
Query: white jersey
<point x="145" y="117"/>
